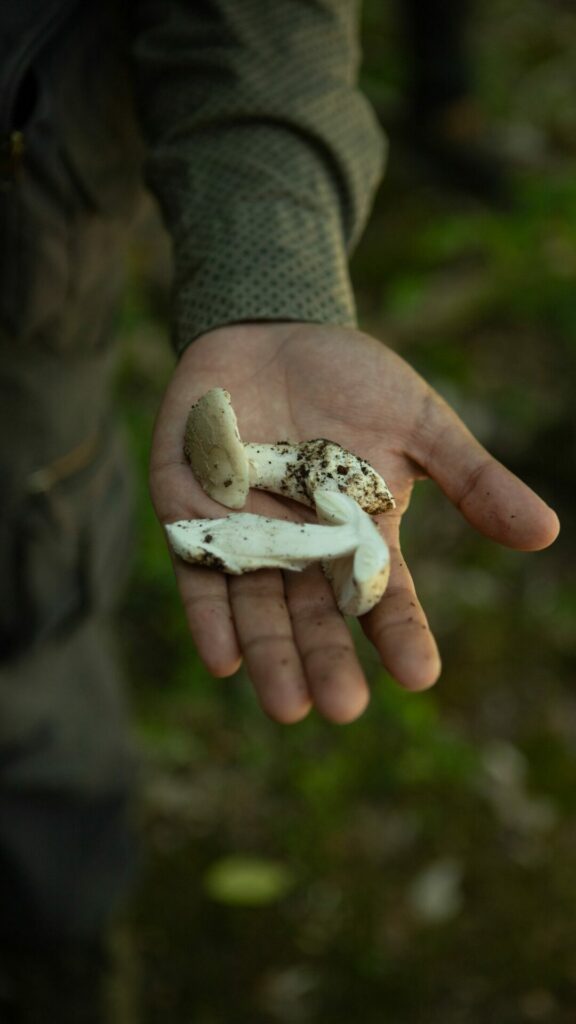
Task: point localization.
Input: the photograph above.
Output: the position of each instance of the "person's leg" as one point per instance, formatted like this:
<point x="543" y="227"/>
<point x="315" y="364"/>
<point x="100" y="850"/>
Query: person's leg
<point x="66" y="765"/>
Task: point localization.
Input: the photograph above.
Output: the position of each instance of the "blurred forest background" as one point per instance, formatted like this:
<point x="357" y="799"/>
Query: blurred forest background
<point x="417" y="866"/>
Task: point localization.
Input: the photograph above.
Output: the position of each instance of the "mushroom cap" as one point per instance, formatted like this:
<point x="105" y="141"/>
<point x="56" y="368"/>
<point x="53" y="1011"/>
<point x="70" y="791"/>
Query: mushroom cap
<point x="360" y="578"/>
<point x="214" y="449"/>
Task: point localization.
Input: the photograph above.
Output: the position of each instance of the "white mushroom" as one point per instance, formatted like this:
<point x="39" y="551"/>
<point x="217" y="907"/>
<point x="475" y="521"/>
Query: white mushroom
<point x="226" y="468"/>
<point x="359" y="578"/>
<point x="243" y="542"/>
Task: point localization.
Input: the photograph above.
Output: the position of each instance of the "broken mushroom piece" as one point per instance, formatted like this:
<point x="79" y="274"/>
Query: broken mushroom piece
<point x="244" y="542"/>
<point x="360" y="578"/>
<point x="226" y="468"/>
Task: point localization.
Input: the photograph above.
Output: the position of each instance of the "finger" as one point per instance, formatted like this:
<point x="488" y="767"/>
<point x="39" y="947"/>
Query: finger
<point x="399" y="630"/>
<point x="491" y="498"/>
<point x="267" y="644"/>
<point x="206" y="603"/>
<point x="333" y="672"/>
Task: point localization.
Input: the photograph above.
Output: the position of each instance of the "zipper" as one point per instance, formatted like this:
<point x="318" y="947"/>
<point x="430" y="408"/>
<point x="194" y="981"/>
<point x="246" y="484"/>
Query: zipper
<point x="12" y="142"/>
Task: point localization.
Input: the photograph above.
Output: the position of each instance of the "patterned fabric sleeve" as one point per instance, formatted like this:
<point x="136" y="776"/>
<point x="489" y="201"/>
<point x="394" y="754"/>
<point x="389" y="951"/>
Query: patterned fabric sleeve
<point x="263" y="154"/>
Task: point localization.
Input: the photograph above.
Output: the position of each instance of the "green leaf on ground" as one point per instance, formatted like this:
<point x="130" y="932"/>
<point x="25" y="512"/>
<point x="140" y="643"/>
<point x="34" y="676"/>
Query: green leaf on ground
<point x="247" y="881"/>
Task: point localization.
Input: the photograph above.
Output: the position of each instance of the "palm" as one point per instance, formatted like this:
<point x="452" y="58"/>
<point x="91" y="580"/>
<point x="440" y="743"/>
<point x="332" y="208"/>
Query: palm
<point x="303" y="381"/>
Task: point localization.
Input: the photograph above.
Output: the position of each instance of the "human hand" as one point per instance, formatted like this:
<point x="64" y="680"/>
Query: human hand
<point x="302" y="381"/>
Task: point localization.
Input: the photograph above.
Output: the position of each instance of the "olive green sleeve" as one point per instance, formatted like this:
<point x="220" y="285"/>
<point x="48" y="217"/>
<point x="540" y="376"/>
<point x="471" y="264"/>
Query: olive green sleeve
<point x="263" y="154"/>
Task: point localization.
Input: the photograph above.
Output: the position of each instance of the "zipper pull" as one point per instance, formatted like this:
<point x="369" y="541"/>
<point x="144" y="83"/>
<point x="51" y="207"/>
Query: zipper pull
<point x="11" y="154"/>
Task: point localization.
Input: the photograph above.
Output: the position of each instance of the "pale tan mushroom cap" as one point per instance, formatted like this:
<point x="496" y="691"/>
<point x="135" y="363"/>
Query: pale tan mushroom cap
<point x="214" y="449"/>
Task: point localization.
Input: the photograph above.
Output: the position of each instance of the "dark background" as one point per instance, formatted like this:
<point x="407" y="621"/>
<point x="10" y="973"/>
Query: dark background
<point x="418" y="865"/>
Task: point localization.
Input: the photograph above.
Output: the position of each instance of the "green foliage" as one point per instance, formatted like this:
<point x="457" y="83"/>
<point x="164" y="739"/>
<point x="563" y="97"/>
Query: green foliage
<point x="247" y="881"/>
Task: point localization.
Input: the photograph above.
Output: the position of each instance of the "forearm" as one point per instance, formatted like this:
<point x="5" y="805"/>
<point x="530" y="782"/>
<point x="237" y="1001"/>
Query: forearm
<point x="263" y="154"/>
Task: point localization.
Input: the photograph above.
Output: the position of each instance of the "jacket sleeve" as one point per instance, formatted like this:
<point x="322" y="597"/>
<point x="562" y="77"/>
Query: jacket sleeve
<point x="263" y="155"/>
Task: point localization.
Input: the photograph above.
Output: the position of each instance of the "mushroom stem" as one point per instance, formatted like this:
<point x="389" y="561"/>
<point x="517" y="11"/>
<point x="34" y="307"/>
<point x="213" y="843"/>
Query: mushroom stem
<point x="243" y="542"/>
<point x="269" y="465"/>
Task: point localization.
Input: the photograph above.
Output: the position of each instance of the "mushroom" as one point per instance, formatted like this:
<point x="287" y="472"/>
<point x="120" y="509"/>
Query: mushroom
<point x="360" y="577"/>
<point x="226" y="468"/>
<point x="348" y="543"/>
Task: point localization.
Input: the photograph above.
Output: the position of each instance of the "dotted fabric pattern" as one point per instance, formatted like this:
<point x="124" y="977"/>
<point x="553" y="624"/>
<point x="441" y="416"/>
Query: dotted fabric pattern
<point x="263" y="154"/>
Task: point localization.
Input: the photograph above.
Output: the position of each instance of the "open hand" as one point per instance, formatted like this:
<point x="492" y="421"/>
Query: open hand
<point x="302" y="381"/>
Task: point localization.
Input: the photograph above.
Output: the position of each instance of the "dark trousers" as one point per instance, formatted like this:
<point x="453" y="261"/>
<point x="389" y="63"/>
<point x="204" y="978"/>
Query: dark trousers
<point x="70" y="190"/>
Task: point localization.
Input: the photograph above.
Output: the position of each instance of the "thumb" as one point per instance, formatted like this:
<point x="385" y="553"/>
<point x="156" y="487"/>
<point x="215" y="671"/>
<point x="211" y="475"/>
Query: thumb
<point x="492" y="499"/>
